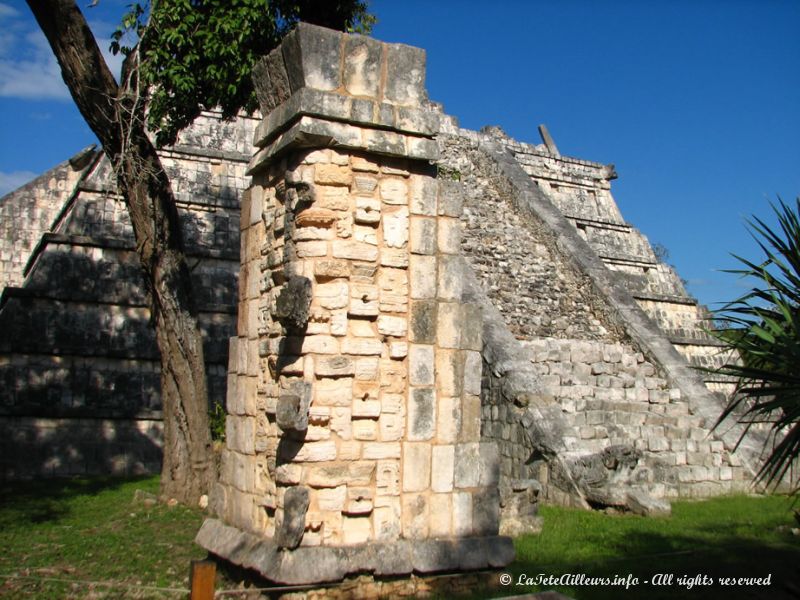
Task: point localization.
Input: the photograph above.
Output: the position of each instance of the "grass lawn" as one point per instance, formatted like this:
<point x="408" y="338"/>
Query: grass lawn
<point x="56" y="535"/>
<point x="91" y="530"/>
<point x="736" y="536"/>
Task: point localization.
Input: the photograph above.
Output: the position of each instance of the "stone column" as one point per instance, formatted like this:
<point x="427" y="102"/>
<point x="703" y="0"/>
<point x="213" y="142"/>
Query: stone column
<point x="353" y="428"/>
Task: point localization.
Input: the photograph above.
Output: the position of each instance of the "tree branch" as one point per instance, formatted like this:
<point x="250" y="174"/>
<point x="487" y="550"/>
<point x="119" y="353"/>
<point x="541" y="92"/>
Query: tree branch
<point x="83" y="67"/>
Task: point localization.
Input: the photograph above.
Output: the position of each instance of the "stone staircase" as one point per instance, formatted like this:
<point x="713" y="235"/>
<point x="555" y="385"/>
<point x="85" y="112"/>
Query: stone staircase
<point x="597" y="401"/>
<point x="582" y="191"/>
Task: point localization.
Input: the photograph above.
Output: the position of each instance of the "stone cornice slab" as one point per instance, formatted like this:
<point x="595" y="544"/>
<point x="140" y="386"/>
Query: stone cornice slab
<point x="323" y="88"/>
<point x="371" y="113"/>
<point x="313" y="132"/>
<point x="318" y="564"/>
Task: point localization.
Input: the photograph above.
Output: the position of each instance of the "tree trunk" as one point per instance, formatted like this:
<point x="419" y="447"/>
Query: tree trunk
<point x="115" y="113"/>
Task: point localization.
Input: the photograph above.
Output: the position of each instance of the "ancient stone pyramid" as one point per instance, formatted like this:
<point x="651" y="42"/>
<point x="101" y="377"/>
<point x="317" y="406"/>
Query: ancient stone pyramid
<point x="78" y="361"/>
<point x="586" y="391"/>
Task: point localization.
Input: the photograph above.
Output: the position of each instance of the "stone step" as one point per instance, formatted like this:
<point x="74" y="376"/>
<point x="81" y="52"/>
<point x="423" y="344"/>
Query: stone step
<point x="37" y="325"/>
<point x="99" y="215"/>
<point x="107" y="270"/>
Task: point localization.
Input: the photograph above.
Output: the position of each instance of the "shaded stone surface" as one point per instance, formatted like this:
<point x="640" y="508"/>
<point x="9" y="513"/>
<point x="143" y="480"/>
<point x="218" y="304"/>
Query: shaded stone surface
<point x="79" y="367"/>
<point x="319" y="564"/>
<point x="292" y="410"/>
<point x="289" y="531"/>
<point x="294" y="301"/>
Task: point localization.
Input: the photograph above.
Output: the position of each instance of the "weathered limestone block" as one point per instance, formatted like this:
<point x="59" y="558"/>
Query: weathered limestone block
<point x="449" y="419"/>
<point x="293" y="408"/>
<point x="294" y="301"/>
<point x="312" y="452"/>
<point x="381" y="450"/>
<point x="423" y="195"/>
<point x="368" y="210"/>
<point x="641" y="503"/>
<point x="486" y="511"/>
<point x="468" y="465"/>
<point x="289" y="529"/>
<point x="334" y="392"/>
<point x="421" y="414"/>
<point x="393" y="191"/>
<point x="421" y="363"/>
<point x="449" y="324"/>
<point x="449" y="367"/>
<point x="450" y="277"/>
<point x="367" y="368"/>
<point x="392" y="325"/>
<point x="443" y="468"/>
<point x="449" y="236"/>
<point x="423" y="277"/>
<point x="335" y="366"/>
<point x="441" y="509"/>
<point x="423" y="235"/>
<point x="423" y="322"/>
<point x="462" y="514"/>
<point x="395" y="227"/>
<point x="394" y="257"/>
<point x="406" y="75"/>
<point x="416" y="466"/>
<point x="415" y="511"/>
<point x="335" y="294"/>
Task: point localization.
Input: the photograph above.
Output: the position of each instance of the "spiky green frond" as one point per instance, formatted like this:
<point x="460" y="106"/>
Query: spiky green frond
<point x="763" y="328"/>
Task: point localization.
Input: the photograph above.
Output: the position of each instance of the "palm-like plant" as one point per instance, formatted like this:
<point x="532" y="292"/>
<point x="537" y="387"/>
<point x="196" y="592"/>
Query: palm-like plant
<point x="763" y="328"/>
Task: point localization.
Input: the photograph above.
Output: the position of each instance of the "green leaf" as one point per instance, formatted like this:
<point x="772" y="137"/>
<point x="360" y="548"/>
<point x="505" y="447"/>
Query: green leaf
<point x="218" y="41"/>
<point x="764" y="335"/>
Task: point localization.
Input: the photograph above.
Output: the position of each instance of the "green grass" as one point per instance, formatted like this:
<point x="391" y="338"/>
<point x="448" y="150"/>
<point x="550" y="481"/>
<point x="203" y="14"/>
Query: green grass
<point x="91" y="530"/>
<point x="736" y="536"/>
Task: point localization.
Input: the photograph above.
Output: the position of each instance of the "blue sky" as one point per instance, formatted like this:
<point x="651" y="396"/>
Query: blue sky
<point x="695" y="102"/>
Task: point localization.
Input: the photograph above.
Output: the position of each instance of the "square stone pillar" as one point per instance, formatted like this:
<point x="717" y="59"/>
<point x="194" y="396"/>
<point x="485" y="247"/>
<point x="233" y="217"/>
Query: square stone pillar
<point x="353" y="428"/>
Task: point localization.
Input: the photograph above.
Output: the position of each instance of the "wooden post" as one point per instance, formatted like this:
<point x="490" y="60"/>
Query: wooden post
<point x="201" y="580"/>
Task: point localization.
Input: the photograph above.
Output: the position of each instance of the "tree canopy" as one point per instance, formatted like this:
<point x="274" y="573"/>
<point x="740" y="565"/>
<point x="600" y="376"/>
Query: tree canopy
<point x="197" y="54"/>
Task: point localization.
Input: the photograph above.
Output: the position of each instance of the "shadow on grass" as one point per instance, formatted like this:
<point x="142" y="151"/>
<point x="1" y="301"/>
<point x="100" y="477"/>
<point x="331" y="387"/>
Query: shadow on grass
<point x="697" y="564"/>
<point x="48" y="500"/>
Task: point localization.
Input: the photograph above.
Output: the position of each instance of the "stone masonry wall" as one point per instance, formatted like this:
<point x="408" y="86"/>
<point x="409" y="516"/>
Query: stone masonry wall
<point x="611" y="396"/>
<point x="582" y="192"/>
<point x="77" y="347"/>
<point x="28" y="212"/>
<point x="55" y="447"/>
<point x="380" y="324"/>
<point x="523" y="272"/>
<point x="353" y="428"/>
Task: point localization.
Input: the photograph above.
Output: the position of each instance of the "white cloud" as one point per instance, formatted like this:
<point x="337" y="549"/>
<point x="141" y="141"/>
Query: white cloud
<point x="11" y="181"/>
<point x="28" y="69"/>
<point x="7" y="11"/>
<point x="35" y="78"/>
